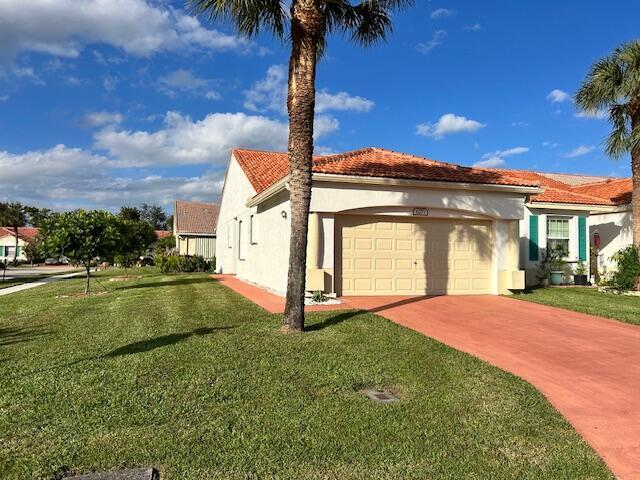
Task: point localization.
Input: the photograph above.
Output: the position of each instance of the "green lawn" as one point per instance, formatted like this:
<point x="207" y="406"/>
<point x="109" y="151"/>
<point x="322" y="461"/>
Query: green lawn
<point x="20" y="280"/>
<point x="588" y="300"/>
<point x="179" y="372"/>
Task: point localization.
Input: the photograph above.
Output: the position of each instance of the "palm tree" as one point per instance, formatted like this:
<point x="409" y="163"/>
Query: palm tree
<point x="614" y="84"/>
<point x="308" y="24"/>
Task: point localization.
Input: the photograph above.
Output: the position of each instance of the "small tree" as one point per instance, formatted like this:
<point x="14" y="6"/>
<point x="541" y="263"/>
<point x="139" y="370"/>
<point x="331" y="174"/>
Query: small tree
<point x="34" y="251"/>
<point x="135" y="238"/>
<point x="82" y="236"/>
<point x="36" y="216"/>
<point x="129" y="213"/>
<point x="13" y="215"/>
<point x="154" y="216"/>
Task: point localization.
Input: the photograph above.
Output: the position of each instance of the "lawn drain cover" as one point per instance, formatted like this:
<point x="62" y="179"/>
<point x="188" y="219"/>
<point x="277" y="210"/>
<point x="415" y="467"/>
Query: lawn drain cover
<point x="379" y="396"/>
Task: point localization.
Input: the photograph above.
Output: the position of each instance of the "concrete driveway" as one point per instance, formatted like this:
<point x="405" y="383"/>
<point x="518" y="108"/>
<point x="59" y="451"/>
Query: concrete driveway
<point x="588" y="367"/>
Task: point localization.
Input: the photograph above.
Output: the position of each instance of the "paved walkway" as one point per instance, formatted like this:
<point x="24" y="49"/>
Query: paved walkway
<point x="37" y="283"/>
<point x="588" y="367"/>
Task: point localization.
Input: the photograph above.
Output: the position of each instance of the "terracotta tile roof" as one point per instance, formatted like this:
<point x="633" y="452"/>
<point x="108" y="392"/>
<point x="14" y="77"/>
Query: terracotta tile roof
<point x="618" y="191"/>
<point x="606" y="192"/>
<point x="196" y="217"/>
<point x="162" y="233"/>
<point x="263" y="169"/>
<point x="26" y="233"/>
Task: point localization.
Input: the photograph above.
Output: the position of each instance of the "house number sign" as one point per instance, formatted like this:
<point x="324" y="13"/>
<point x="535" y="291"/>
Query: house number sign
<point x="421" y="211"/>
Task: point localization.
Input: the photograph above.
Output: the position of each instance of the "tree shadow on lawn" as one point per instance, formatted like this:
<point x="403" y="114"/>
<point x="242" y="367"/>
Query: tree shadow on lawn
<point x="334" y="320"/>
<point x="170" y="283"/>
<point x="158" y="342"/>
<point x="10" y="336"/>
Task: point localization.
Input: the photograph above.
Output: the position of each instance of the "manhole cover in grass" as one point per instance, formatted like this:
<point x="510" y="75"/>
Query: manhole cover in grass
<point x="379" y="396"/>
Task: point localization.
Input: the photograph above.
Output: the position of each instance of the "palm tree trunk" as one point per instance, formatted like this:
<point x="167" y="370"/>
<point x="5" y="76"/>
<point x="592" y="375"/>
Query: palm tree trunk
<point x="307" y="28"/>
<point x="635" y="174"/>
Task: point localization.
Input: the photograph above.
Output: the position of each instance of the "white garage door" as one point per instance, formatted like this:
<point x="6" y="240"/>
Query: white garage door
<point x="394" y="256"/>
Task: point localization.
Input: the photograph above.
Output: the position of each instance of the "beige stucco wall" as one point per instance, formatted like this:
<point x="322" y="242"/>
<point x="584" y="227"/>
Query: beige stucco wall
<point x="616" y="232"/>
<point x="10" y="241"/>
<point x="196" y="245"/>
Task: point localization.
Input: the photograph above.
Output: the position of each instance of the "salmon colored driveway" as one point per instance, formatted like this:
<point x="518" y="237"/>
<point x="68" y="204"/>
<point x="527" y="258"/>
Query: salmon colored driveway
<point x="588" y="367"/>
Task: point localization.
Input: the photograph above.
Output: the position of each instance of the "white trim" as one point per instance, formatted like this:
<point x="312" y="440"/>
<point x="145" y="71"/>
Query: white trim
<point x="576" y="206"/>
<point x="282" y="184"/>
<point x="194" y="234"/>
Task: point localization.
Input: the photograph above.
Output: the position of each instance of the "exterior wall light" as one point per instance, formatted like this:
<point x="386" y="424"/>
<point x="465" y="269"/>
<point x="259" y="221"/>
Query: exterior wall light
<point x="283" y="214"/>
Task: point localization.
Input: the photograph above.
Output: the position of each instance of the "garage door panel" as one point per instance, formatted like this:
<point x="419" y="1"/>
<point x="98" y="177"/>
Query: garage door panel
<point x="382" y="256"/>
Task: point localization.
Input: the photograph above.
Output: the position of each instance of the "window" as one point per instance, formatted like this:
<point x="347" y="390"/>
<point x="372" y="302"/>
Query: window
<point x="252" y="233"/>
<point x="558" y="234"/>
<point x="240" y="240"/>
<point x="9" y="251"/>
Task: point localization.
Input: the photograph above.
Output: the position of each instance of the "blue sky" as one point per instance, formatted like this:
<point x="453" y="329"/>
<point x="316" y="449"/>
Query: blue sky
<point x="111" y="102"/>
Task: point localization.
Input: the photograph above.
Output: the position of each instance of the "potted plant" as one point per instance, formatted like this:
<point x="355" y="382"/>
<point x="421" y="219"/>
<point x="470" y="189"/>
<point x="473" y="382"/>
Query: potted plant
<point x="580" y="274"/>
<point x="556" y="276"/>
<point x="544" y="267"/>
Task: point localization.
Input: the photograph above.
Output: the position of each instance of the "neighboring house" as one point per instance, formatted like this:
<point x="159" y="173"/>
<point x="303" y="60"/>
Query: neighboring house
<point x="381" y="223"/>
<point x="571" y="211"/>
<point x="162" y="234"/>
<point x="8" y="241"/>
<point x="194" y="226"/>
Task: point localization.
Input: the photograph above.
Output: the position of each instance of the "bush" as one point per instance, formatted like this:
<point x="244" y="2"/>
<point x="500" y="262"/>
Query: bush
<point x="183" y="263"/>
<point x="166" y="243"/>
<point x="627" y="274"/>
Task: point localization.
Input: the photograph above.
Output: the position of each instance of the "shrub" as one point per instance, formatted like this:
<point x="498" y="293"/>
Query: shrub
<point x="627" y="274"/>
<point x="183" y="263"/>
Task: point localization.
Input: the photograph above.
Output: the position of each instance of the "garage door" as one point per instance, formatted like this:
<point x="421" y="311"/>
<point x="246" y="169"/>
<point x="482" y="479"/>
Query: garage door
<point x="392" y="256"/>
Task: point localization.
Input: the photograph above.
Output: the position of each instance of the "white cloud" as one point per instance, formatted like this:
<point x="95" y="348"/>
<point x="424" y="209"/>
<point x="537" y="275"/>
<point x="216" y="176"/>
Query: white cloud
<point x="473" y="28"/>
<point x="186" y="82"/>
<point x="100" y="119"/>
<point x="549" y="144"/>
<point x="598" y="114"/>
<point x="447" y="124"/>
<point x="109" y="83"/>
<point x="343" y="101"/>
<point x="324" y="125"/>
<point x="442" y="13"/>
<point x="436" y="39"/>
<point x="558" y="96"/>
<point x="140" y="28"/>
<point x="497" y="158"/>
<point x="270" y="93"/>
<point x="580" y="151"/>
<point x="184" y="141"/>
<point x="4" y="98"/>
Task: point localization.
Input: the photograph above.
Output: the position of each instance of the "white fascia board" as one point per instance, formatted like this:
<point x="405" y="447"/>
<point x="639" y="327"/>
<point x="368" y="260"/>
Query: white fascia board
<point x="358" y="180"/>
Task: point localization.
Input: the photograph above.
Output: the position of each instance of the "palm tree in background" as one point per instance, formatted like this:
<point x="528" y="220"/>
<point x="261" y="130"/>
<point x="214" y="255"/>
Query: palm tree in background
<point x="306" y="25"/>
<point x="614" y="84"/>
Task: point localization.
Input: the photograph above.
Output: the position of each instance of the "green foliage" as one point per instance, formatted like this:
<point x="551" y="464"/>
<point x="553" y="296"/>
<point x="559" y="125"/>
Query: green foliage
<point x="166" y="243"/>
<point x="135" y="238"/>
<point x="318" y="296"/>
<point x="37" y="216"/>
<point x="613" y="83"/>
<point x="82" y="236"/>
<point x="154" y="216"/>
<point x="183" y="263"/>
<point x="627" y="274"/>
<point x="34" y="251"/>
<point x="129" y="213"/>
<point x="581" y="269"/>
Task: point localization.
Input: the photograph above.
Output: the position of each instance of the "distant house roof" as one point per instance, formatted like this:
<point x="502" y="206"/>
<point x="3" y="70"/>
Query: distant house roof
<point x="577" y="189"/>
<point x="196" y="217"/>
<point x="25" y="233"/>
<point x="162" y="233"/>
<point x="263" y="169"/>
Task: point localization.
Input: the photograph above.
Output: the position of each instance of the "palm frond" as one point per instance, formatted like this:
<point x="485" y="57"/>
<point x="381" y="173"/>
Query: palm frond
<point x="619" y="140"/>
<point x="250" y="17"/>
<point x="602" y="86"/>
<point x="366" y="23"/>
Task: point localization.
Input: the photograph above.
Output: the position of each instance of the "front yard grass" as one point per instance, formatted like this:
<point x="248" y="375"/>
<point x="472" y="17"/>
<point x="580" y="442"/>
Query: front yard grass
<point x="587" y="300"/>
<point x="178" y="372"/>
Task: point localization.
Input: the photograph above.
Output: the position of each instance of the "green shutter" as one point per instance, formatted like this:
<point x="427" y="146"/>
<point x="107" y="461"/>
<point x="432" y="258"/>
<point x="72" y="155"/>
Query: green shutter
<point x="582" y="238"/>
<point x="1" y="251"/>
<point x="18" y="250"/>
<point x="533" y="238"/>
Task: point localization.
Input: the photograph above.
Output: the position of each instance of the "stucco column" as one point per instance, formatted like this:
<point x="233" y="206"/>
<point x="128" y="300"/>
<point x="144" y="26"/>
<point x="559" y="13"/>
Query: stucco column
<point x="513" y="245"/>
<point x="313" y="242"/>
